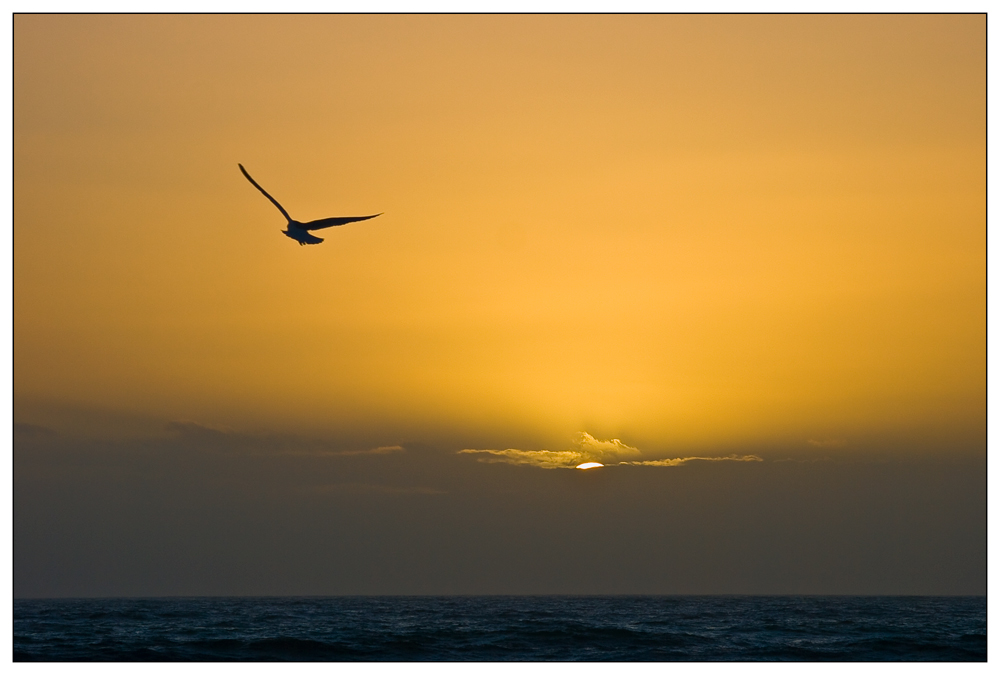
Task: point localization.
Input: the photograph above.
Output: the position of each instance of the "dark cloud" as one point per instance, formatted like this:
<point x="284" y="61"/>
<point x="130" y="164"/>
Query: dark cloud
<point x="203" y="511"/>
<point x="31" y="430"/>
<point x="358" y="488"/>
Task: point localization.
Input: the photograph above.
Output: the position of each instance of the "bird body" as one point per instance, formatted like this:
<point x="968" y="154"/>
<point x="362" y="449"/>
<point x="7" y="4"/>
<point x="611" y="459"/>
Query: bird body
<point x="300" y="234"/>
<point x="300" y="231"/>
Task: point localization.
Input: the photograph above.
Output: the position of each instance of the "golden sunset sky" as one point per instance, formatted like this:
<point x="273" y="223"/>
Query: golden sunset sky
<point x="692" y="233"/>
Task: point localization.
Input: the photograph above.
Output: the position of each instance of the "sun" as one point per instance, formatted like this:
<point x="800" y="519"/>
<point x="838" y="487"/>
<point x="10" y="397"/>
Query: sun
<point x="589" y="465"/>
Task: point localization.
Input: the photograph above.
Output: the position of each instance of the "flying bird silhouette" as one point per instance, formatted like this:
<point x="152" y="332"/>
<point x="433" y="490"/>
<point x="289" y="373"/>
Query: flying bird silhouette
<point x="300" y="231"/>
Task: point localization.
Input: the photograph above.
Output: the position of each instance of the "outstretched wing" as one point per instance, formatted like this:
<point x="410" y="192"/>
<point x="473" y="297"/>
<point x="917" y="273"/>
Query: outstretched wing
<point x="333" y="222"/>
<point x="273" y="200"/>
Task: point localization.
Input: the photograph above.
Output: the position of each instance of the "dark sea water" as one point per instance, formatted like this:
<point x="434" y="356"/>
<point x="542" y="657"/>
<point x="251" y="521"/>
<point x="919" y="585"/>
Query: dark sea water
<point x="504" y="628"/>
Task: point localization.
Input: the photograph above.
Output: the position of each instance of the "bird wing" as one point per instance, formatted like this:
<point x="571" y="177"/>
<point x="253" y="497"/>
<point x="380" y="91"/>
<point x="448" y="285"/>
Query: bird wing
<point x="273" y="200"/>
<point x="333" y="222"/>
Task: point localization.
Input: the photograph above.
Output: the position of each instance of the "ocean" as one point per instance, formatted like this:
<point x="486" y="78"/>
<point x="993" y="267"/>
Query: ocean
<point x="503" y="628"/>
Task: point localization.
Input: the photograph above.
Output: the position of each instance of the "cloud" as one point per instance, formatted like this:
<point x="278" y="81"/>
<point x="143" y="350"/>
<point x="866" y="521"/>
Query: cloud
<point x="828" y="443"/>
<point x="370" y="488"/>
<point x="604" y="452"/>
<point x="543" y="459"/>
<point x="589" y="449"/>
<point x="317" y="448"/>
<point x="381" y="450"/>
<point x="684" y="460"/>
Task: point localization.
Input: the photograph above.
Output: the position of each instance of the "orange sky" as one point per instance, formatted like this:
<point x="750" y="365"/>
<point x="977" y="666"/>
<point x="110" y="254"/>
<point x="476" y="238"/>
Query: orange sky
<point x="689" y="233"/>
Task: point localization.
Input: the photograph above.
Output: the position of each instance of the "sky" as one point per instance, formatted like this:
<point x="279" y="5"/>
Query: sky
<point x="738" y="260"/>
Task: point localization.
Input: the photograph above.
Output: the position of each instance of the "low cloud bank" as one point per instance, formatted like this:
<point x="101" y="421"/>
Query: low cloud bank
<point x="270" y="443"/>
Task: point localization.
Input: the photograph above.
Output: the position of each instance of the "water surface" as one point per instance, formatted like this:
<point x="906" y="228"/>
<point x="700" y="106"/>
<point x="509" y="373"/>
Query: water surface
<point x="504" y="628"/>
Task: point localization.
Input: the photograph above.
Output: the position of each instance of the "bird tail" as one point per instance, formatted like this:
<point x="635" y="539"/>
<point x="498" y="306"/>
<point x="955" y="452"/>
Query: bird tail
<point x="301" y="236"/>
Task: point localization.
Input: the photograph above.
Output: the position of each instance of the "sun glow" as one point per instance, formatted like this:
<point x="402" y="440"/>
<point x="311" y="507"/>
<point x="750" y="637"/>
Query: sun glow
<point x="589" y="465"/>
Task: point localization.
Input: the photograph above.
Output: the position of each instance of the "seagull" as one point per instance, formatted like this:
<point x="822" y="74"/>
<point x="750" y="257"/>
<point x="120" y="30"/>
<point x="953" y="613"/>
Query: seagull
<point x="300" y="231"/>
